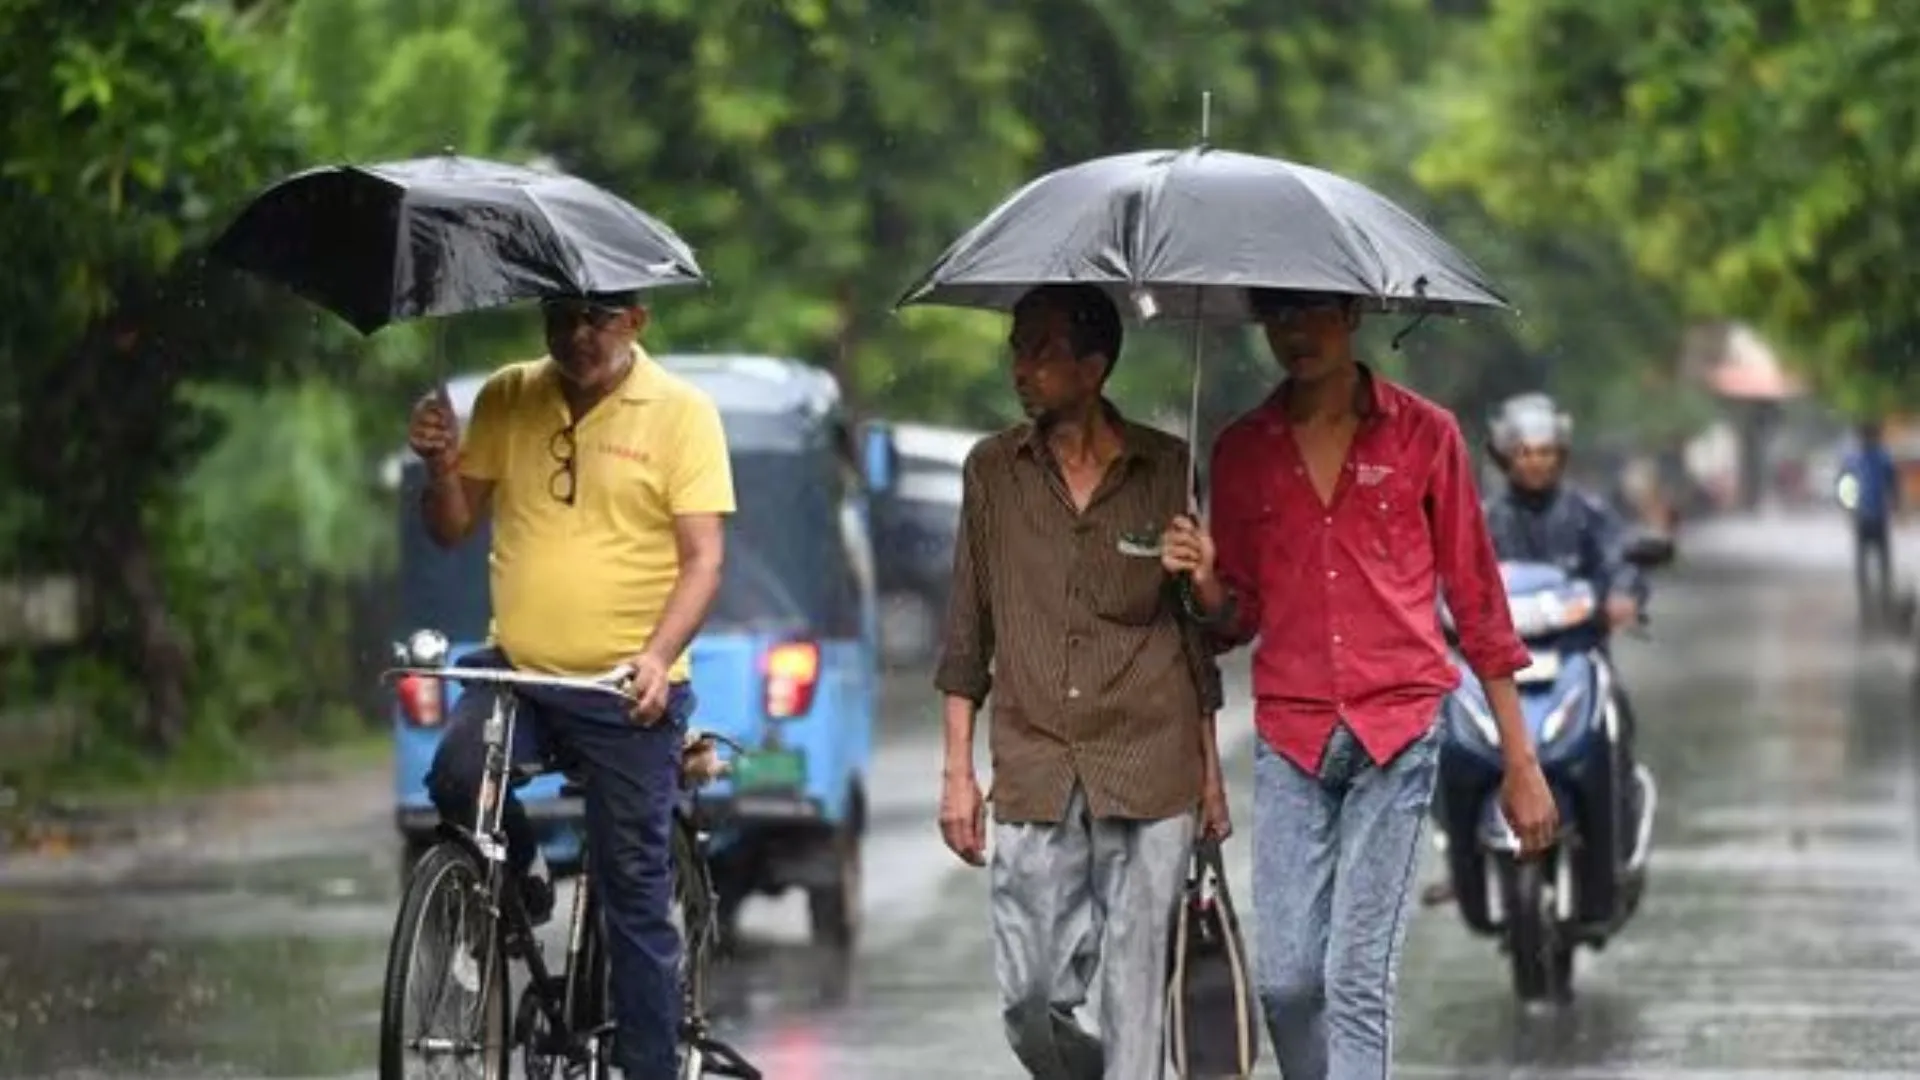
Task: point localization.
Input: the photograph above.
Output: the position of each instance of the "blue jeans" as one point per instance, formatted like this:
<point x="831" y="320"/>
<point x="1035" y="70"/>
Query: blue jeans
<point x="1333" y="861"/>
<point x="633" y="782"/>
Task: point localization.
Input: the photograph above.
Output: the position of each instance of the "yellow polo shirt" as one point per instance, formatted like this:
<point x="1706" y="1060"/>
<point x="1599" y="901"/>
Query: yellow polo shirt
<point x="578" y="589"/>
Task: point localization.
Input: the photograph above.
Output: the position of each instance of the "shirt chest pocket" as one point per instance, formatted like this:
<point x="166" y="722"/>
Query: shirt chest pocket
<point x="1120" y="588"/>
<point x="1393" y="514"/>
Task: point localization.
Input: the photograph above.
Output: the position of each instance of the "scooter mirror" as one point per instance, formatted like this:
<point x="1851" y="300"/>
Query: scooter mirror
<point x="1650" y="549"/>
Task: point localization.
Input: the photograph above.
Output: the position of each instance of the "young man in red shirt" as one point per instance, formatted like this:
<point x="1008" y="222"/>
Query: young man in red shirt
<point x="1342" y="508"/>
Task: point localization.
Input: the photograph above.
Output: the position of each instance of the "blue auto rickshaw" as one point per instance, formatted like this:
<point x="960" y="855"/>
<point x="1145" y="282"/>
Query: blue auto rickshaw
<point x="786" y="664"/>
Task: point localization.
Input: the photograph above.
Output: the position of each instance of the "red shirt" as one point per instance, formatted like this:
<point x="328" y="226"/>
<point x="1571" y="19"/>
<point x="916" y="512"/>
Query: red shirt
<point x="1342" y="596"/>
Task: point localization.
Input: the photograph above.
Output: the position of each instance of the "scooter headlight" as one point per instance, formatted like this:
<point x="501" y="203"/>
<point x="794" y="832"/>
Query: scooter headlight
<point x="1846" y="491"/>
<point x="1548" y="613"/>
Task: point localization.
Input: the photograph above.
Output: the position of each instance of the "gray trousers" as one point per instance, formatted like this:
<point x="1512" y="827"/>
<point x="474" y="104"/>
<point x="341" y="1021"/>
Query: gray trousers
<point x="1072" y="898"/>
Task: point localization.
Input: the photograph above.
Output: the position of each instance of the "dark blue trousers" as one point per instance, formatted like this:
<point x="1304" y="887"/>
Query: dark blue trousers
<point x="633" y="777"/>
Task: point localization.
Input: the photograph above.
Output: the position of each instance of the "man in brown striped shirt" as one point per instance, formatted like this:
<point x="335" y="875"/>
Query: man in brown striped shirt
<point x="1103" y="698"/>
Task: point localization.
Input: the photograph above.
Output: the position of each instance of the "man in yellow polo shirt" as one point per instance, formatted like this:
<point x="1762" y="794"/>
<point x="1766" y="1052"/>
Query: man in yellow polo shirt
<point x="607" y="479"/>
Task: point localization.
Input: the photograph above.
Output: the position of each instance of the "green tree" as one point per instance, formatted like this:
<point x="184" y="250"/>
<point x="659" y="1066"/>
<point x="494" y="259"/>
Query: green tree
<point x="130" y="129"/>
<point x="1754" y="158"/>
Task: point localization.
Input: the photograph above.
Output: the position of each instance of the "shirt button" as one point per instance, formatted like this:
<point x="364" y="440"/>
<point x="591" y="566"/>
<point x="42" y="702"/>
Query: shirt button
<point x="1333" y="574"/>
<point x="1326" y="521"/>
<point x="1336" y="639"/>
<point x="1073" y="691"/>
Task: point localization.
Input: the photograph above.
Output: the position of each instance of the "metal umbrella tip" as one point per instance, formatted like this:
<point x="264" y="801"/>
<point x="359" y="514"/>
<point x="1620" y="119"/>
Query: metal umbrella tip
<point x="1145" y="304"/>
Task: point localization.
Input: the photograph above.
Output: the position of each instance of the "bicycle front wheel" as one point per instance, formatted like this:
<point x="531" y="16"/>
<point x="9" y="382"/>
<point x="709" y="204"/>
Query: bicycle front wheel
<point x="444" y="1012"/>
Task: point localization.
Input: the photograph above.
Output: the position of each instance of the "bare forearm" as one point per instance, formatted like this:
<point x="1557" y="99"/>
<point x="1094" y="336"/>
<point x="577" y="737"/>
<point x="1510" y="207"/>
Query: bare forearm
<point x="1228" y="615"/>
<point x="686" y="609"/>
<point x="958" y="724"/>
<point x="444" y="508"/>
<point x="1210" y="594"/>
<point x="1516" y="745"/>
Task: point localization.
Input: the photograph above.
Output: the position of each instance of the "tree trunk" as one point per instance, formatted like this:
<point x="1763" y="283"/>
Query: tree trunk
<point x="162" y="660"/>
<point x="846" y="341"/>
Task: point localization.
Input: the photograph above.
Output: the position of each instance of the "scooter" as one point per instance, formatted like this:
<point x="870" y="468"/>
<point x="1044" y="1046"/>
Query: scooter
<point x="1588" y="885"/>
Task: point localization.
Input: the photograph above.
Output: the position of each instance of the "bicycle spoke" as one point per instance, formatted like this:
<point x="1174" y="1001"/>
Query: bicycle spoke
<point x="448" y="1026"/>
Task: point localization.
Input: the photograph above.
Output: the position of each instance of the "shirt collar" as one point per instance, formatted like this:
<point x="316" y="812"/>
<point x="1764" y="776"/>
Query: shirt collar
<point x="1035" y="440"/>
<point x="640" y="383"/>
<point x="1374" y="398"/>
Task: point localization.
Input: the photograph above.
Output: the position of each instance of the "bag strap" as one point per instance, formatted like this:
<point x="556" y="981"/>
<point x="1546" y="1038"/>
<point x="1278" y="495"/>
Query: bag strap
<point x="1174" y="1026"/>
<point x="1207" y="856"/>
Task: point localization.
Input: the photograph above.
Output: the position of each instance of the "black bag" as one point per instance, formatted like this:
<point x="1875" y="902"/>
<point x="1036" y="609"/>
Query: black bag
<point x="1213" y="1012"/>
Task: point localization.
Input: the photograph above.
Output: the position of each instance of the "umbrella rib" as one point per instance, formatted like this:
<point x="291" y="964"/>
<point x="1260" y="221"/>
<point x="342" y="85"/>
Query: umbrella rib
<point x="1356" y="241"/>
<point x="576" y="264"/>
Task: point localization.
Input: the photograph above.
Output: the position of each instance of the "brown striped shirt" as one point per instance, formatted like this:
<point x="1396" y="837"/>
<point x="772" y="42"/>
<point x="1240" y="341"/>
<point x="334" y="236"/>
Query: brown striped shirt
<point x="1095" y="677"/>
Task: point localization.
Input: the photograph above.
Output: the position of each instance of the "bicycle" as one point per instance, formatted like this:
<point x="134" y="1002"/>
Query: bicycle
<point x="562" y="1024"/>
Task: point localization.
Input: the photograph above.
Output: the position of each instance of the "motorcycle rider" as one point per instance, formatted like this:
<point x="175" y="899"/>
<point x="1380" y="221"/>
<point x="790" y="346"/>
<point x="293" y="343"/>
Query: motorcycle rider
<point x="1538" y="517"/>
<point x="1541" y="518"/>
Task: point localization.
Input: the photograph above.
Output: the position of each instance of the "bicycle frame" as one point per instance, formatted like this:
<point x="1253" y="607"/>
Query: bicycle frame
<point x="573" y="1005"/>
<point x="565" y="1012"/>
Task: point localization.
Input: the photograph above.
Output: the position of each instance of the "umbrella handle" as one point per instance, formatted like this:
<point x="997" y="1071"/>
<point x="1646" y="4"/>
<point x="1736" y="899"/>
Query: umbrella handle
<point x="441" y="389"/>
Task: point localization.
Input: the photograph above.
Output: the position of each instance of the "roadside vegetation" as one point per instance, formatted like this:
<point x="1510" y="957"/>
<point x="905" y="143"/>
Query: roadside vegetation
<point x="197" y="545"/>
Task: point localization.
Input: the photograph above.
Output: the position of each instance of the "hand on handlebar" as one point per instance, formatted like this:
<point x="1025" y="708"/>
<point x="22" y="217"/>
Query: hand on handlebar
<point x="1623" y="612"/>
<point x="647" y="685"/>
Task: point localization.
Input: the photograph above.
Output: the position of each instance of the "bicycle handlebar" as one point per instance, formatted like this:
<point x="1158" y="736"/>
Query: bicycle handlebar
<point x="614" y="682"/>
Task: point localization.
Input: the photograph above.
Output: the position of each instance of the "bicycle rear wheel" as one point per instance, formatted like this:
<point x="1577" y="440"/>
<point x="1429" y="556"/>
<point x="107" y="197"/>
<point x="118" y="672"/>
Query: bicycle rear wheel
<point x="444" y="1012"/>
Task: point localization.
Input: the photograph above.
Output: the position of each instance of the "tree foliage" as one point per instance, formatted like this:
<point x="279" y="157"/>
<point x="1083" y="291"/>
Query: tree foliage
<point x="1754" y="158"/>
<point x="202" y="449"/>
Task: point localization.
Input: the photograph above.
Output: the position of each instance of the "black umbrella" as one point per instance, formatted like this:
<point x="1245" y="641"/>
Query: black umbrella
<point x="1185" y="233"/>
<point x="439" y="236"/>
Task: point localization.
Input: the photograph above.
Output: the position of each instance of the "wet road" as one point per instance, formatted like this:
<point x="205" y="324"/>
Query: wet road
<point x="1780" y="937"/>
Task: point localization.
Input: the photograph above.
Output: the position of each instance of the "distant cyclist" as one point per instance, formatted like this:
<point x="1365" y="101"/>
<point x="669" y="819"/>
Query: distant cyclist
<point x="1869" y="490"/>
<point x="608" y="481"/>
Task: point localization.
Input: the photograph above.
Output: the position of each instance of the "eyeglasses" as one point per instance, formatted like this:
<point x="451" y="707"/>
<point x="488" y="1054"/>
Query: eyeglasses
<point x="569" y="312"/>
<point x="565" y="479"/>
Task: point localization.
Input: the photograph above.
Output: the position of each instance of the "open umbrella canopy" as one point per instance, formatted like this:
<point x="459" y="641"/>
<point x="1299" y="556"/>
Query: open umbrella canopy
<point x="1185" y="233"/>
<point x="444" y="235"/>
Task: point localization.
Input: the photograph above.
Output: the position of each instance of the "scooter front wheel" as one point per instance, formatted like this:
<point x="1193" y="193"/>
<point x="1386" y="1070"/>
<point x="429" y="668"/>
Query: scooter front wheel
<point x="1542" y="961"/>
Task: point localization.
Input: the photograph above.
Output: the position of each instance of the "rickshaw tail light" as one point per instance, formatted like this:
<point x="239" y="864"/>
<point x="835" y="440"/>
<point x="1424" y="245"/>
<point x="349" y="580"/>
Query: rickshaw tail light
<point x="792" y="672"/>
<point x="420" y="700"/>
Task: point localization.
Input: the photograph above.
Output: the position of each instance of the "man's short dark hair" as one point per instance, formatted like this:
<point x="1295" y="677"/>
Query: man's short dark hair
<point x="626" y="298"/>
<point x="1267" y="303"/>
<point x="1093" y="320"/>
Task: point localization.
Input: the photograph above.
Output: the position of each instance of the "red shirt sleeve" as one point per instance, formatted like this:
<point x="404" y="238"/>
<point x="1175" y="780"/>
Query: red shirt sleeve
<point x="1236" y="525"/>
<point x="1469" y="570"/>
